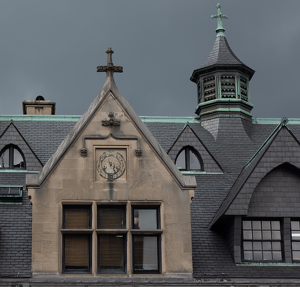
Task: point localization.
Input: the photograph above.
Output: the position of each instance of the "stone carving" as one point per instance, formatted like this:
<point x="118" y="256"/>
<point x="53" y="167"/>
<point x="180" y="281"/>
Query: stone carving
<point x="83" y="152"/>
<point x="138" y="152"/>
<point x="112" y="121"/>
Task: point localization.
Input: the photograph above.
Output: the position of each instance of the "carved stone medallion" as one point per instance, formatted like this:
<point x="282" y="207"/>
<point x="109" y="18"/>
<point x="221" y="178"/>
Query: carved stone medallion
<point x="111" y="165"/>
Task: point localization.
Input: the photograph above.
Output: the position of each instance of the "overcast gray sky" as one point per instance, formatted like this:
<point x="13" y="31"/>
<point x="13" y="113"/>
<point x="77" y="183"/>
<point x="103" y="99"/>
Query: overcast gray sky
<point x="52" y="48"/>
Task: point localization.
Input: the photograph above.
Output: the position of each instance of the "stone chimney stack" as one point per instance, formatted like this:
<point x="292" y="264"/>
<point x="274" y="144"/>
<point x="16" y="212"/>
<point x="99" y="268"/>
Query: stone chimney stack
<point x="38" y="107"/>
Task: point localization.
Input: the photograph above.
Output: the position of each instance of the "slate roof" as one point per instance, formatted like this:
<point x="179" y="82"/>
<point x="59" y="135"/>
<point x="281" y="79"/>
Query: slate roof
<point x="233" y="145"/>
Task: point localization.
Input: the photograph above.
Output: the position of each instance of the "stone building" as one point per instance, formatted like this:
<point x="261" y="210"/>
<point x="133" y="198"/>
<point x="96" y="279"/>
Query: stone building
<point x="114" y="199"/>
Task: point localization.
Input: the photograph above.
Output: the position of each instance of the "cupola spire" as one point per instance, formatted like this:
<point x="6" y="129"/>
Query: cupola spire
<point x="222" y="80"/>
<point x="220" y="30"/>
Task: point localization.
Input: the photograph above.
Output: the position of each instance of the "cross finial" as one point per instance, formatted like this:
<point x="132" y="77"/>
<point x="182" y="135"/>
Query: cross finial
<point x="110" y="68"/>
<point x="220" y="30"/>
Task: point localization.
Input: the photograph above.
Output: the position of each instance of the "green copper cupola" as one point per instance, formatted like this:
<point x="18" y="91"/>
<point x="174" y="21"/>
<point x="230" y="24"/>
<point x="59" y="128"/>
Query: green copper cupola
<point x="222" y="80"/>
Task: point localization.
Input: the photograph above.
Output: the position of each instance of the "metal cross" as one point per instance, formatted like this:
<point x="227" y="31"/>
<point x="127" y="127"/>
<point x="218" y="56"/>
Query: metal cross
<point x="220" y="30"/>
<point x="110" y="66"/>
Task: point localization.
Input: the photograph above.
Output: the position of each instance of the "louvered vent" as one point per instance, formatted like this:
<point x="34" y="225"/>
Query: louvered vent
<point x="209" y="88"/>
<point x="199" y="91"/>
<point x="228" y="86"/>
<point x="244" y="91"/>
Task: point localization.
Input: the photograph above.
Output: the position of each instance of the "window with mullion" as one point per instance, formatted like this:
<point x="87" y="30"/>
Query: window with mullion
<point x="295" y="234"/>
<point x="262" y="240"/>
<point x="188" y="159"/>
<point x="112" y="243"/>
<point x="145" y="246"/>
<point x="77" y="238"/>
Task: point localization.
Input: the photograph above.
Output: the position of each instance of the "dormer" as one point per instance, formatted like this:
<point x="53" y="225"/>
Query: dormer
<point x="222" y="81"/>
<point x="38" y="107"/>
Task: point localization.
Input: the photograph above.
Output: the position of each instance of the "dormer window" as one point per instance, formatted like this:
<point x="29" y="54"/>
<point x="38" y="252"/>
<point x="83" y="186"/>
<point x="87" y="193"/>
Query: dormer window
<point x="188" y="159"/>
<point x="11" y="157"/>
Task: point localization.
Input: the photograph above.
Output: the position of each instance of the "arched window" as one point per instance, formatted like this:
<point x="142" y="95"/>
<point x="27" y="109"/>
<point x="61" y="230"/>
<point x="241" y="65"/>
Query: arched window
<point x="189" y="159"/>
<point x="12" y="157"/>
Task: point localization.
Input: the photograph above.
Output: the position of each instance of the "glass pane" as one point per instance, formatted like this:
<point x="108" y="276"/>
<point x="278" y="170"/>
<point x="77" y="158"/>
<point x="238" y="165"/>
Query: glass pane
<point x="275" y="225"/>
<point x="257" y="255"/>
<point x="266" y="235"/>
<point x="111" y="218"/>
<point x="276" y="235"/>
<point x="296" y="255"/>
<point x="111" y="251"/>
<point x="295" y="225"/>
<point x="194" y="162"/>
<point x="256" y="225"/>
<point x="296" y="246"/>
<point x="276" y="245"/>
<point x="246" y="224"/>
<point x="145" y="219"/>
<point x="276" y="255"/>
<point x="266" y="225"/>
<point x="77" y="218"/>
<point x="180" y="161"/>
<point x="4" y="190"/>
<point x="257" y="246"/>
<point x="267" y="255"/>
<point x="76" y="251"/>
<point x="18" y="159"/>
<point x="145" y="253"/>
<point x="248" y="255"/>
<point x="247" y="234"/>
<point x="4" y="159"/>
<point x="296" y="235"/>
<point x="257" y="235"/>
<point x="266" y="245"/>
<point x="247" y="245"/>
<point x="14" y="190"/>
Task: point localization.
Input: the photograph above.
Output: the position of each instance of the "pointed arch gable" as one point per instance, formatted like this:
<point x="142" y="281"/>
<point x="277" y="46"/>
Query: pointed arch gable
<point x="278" y="191"/>
<point x="188" y="138"/>
<point x="283" y="149"/>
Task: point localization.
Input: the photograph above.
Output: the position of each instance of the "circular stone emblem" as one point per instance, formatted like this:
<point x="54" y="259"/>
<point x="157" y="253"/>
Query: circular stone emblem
<point x="111" y="165"/>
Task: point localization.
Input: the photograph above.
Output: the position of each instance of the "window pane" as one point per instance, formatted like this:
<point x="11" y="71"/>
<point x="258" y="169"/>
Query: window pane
<point x="296" y="255"/>
<point x="266" y="245"/>
<point x="145" y="251"/>
<point x="76" y="251"/>
<point x="18" y="159"/>
<point x="77" y="218"/>
<point x="267" y="255"/>
<point x="247" y="234"/>
<point x="246" y="224"/>
<point x="276" y="235"/>
<point x="275" y="225"/>
<point x="276" y="255"/>
<point x="180" y="161"/>
<point x="257" y="246"/>
<point x="145" y="218"/>
<point x="14" y="190"/>
<point x="4" y="190"/>
<point x="267" y="235"/>
<point x="276" y="245"/>
<point x="111" y="218"/>
<point x="266" y="225"/>
<point x="257" y="235"/>
<point x="296" y="235"/>
<point x="194" y="162"/>
<point x="111" y="251"/>
<point x="257" y="255"/>
<point x="295" y="225"/>
<point x="4" y="159"/>
<point x="256" y="225"/>
<point x="247" y="245"/>
<point x="296" y="245"/>
<point x="248" y="255"/>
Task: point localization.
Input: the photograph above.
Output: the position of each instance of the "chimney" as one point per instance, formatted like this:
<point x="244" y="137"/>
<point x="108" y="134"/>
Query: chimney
<point x="38" y="107"/>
